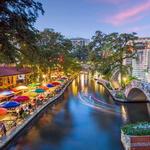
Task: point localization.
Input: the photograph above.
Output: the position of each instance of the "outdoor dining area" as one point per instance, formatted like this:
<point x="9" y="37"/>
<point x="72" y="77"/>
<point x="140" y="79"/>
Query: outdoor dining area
<point x="20" y="102"/>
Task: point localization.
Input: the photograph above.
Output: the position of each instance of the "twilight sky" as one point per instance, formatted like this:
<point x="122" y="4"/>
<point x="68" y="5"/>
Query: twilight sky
<point x="81" y="18"/>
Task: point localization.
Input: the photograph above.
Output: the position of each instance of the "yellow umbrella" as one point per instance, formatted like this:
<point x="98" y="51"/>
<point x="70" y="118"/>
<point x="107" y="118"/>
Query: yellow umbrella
<point x="30" y="94"/>
<point x="21" y="88"/>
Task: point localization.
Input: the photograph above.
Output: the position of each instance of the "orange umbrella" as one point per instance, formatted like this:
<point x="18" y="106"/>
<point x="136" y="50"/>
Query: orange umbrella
<point x="3" y="111"/>
<point x="44" y="87"/>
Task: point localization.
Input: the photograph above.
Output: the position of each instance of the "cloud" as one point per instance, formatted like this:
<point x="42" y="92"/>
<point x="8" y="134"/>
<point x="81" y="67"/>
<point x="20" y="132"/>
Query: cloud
<point x="130" y="15"/>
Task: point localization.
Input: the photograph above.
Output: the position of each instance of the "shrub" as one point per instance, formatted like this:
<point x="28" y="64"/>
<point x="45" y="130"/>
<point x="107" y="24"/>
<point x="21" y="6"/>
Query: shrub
<point x="109" y="86"/>
<point x="142" y="128"/>
<point x="120" y="95"/>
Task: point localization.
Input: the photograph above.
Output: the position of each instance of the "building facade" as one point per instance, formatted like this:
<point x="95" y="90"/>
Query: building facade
<point x="141" y="64"/>
<point x="79" y="42"/>
<point x="10" y="76"/>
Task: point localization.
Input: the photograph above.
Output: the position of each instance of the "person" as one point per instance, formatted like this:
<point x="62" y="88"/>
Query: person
<point x="21" y="112"/>
<point x="3" y="129"/>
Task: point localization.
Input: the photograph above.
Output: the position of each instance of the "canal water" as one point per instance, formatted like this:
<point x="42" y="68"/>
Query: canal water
<point x="85" y="118"/>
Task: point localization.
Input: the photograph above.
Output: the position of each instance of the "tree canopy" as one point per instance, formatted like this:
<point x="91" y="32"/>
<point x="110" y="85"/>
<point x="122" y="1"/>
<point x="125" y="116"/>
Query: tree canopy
<point x="17" y="33"/>
<point x="109" y="51"/>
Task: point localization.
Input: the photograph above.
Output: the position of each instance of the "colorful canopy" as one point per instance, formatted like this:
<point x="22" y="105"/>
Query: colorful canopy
<point x="6" y="93"/>
<point x="39" y="91"/>
<point x="10" y="104"/>
<point x="21" y="98"/>
<point x="61" y="80"/>
<point x="50" y="85"/>
<point x="3" y="111"/>
<point x="44" y="87"/>
<point x="21" y="88"/>
<point x="30" y="94"/>
<point x="55" y="83"/>
<point x="34" y="84"/>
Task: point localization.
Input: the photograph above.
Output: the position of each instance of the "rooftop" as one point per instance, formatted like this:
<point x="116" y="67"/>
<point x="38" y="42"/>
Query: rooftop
<point x="10" y="71"/>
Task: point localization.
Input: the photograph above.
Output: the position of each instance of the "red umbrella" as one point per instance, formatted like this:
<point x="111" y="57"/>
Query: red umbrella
<point x="56" y="83"/>
<point x="3" y="111"/>
<point x="21" y="98"/>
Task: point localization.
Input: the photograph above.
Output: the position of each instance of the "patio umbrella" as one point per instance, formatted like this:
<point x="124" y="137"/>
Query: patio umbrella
<point x="6" y="93"/>
<point x="10" y="104"/>
<point x="39" y="91"/>
<point x="21" y="98"/>
<point x="34" y="84"/>
<point x="30" y="94"/>
<point x="61" y="80"/>
<point x="3" y="111"/>
<point x="31" y="85"/>
<point x="50" y="85"/>
<point x="44" y="87"/>
<point x="55" y="83"/>
<point x="21" y="88"/>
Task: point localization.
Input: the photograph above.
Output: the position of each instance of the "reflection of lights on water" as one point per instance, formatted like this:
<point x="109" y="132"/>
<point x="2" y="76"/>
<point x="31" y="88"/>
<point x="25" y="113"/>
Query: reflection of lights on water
<point x="82" y="81"/>
<point x="101" y="89"/>
<point x="78" y="79"/>
<point x="74" y="88"/>
<point x="148" y="108"/>
<point x="124" y="113"/>
<point x="96" y="87"/>
<point x="86" y="90"/>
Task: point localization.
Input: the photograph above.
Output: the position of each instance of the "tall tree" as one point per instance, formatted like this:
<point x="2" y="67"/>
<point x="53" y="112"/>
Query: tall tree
<point x="111" y="51"/>
<point x="17" y="33"/>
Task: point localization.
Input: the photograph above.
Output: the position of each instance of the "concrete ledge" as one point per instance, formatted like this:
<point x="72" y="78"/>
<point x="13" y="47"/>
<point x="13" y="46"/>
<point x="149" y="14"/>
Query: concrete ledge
<point x="112" y="93"/>
<point x="135" y="142"/>
<point x="18" y="129"/>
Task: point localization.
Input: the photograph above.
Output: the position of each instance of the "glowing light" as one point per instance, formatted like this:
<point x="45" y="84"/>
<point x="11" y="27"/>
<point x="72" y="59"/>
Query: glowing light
<point x="124" y="79"/>
<point x="74" y="88"/>
<point x="96" y="106"/>
<point x="124" y="113"/>
<point x="44" y="76"/>
<point x="82" y="81"/>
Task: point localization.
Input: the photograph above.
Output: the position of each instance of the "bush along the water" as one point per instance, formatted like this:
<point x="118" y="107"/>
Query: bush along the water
<point x="120" y="95"/>
<point x="140" y="129"/>
<point x="109" y="86"/>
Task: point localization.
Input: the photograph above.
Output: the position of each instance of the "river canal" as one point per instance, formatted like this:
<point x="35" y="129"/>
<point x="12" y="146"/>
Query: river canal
<point x="85" y="118"/>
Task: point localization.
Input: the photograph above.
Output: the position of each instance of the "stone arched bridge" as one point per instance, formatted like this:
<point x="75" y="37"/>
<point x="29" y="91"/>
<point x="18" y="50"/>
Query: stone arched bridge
<point x="138" y="91"/>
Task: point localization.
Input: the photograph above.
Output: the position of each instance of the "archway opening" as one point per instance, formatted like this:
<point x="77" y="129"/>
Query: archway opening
<point x="136" y="94"/>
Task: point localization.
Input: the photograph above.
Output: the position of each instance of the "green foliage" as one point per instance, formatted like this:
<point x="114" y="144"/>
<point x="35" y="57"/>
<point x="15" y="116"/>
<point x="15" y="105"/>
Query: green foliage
<point x="108" y="52"/>
<point x="120" y="95"/>
<point x="109" y="86"/>
<point x="142" y="128"/>
<point x="17" y="34"/>
<point x="80" y="53"/>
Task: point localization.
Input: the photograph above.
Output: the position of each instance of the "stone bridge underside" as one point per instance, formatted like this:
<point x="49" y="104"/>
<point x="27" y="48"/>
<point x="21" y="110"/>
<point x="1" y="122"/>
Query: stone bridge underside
<point x="135" y="94"/>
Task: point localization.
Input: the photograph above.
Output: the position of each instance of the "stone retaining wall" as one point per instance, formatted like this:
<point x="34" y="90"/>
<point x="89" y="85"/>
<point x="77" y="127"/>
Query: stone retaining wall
<point x="135" y="142"/>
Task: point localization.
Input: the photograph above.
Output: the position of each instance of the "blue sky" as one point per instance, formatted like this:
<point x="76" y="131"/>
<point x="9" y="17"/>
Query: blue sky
<point x="81" y="18"/>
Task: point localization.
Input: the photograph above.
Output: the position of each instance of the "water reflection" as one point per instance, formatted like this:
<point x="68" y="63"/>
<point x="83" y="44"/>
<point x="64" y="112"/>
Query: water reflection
<point x="71" y="125"/>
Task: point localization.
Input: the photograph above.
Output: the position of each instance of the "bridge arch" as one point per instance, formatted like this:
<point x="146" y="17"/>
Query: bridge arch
<point x="136" y="94"/>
